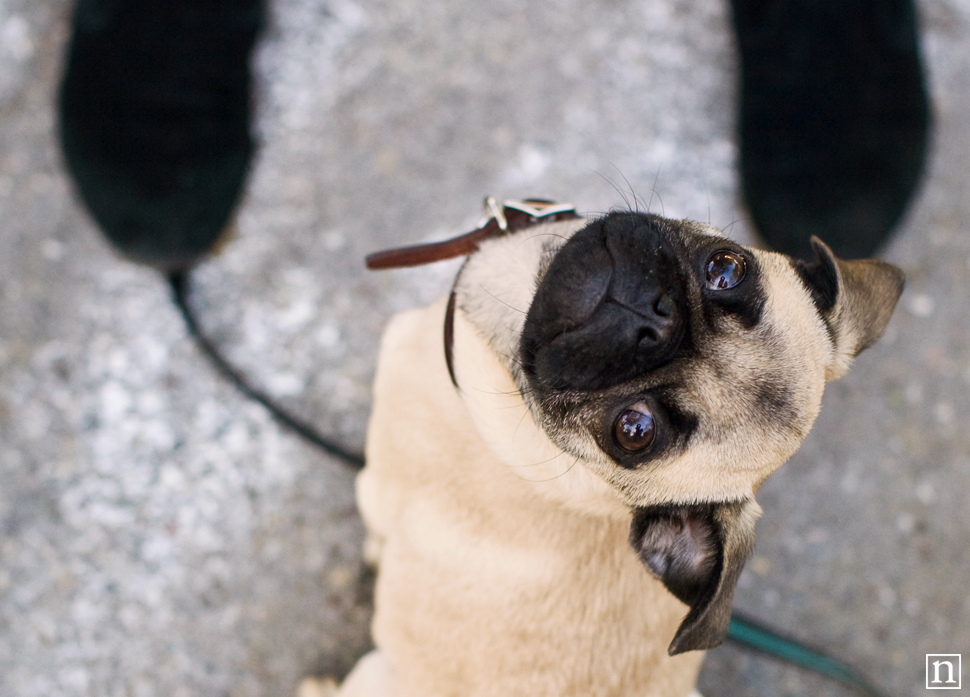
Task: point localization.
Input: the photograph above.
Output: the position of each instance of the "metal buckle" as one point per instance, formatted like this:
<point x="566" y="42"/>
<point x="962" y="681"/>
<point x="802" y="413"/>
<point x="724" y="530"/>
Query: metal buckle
<point x="535" y="208"/>
<point x="493" y="210"/>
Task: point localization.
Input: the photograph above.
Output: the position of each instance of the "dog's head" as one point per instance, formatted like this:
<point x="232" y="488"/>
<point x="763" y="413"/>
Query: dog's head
<point x="677" y="366"/>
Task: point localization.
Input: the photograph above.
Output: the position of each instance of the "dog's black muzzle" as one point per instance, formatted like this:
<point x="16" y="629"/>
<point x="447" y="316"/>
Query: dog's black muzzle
<point x="610" y="307"/>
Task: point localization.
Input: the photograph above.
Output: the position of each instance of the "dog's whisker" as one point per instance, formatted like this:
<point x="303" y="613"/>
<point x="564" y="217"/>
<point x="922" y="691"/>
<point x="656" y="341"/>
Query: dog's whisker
<point x="724" y="230"/>
<point x="653" y="192"/>
<point x="551" y="234"/>
<point x="546" y="233"/>
<point x="501" y="393"/>
<point x="519" y="424"/>
<point x="636" y="199"/>
<point x="568" y="469"/>
<point x="514" y="360"/>
<point x="506" y="393"/>
<point x="542" y="462"/>
<point x="623" y="195"/>
<point x="555" y="477"/>
<point x="613" y="185"/>
<point x="520" y="476"/>
<point x="511" y="307"/>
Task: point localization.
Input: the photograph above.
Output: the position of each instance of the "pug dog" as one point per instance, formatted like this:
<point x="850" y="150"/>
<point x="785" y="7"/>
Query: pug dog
<point x="561" y="498"/>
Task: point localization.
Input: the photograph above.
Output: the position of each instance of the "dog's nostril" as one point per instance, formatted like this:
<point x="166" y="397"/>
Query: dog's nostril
<point x="647" y="335"/>
<point x="664" y="306"/>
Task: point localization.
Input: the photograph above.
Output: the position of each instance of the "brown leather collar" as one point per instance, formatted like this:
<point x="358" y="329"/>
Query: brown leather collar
<point x="511" y="217"/>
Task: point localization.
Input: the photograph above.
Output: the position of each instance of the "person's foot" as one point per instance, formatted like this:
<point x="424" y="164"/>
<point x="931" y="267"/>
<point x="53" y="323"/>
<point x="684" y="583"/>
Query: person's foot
<point x="155" y="110"/>
<point x="833" y="119"/>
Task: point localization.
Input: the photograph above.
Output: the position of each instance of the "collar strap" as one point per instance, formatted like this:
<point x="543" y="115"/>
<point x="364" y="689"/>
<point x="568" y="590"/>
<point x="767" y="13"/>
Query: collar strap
<point x="510" y="217"/>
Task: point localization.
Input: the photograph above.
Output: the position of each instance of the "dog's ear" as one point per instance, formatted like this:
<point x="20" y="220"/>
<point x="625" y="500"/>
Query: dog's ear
<point x="855" y="298"/>
<point x="697" y="551"/>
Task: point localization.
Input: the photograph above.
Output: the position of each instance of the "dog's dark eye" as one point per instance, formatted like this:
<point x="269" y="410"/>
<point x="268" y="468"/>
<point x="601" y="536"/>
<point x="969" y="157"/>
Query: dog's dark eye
<point x="725" y="269"/>
<point x="634" y="429"/>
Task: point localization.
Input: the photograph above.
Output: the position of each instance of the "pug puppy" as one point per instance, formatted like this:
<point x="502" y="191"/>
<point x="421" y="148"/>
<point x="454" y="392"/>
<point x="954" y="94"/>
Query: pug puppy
<point x="560" y="501"/>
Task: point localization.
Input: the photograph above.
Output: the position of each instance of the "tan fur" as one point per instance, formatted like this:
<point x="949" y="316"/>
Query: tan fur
<point x="491" y="582"/>
<point x="502" y="536"/>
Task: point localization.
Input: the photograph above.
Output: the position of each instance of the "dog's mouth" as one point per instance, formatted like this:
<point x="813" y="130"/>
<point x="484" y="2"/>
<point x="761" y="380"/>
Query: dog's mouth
<point x="611" y="306"/>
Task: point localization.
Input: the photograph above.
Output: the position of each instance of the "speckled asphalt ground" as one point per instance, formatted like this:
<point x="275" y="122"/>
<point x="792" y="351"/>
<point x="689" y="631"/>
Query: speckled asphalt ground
<point x="160" y="535"/>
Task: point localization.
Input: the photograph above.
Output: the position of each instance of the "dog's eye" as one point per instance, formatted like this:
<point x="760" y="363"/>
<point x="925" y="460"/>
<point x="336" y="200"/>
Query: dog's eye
<point x="634" y="429"/>
<point x="725" y="269"/>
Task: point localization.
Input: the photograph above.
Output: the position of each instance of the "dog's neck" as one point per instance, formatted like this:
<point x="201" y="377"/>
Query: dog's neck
<point x="504" y="422"/>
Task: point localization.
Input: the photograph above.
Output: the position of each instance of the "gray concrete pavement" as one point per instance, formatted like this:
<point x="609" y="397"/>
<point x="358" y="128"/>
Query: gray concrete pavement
<point x="160" y="535"/>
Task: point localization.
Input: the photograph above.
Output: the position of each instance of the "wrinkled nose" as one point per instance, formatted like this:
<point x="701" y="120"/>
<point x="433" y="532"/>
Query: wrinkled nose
<point x="657" y="324"/>
<point x="610" y="307"/>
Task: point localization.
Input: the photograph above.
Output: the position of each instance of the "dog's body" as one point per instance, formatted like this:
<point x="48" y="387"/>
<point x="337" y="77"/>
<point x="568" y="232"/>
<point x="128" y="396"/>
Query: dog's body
<point x="628" y="368"/>
<point x="497" y="578"/>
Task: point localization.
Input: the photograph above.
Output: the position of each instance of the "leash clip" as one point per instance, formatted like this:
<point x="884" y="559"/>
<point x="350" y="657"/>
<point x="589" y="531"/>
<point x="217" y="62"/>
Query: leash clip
<point x="494" y="212"/>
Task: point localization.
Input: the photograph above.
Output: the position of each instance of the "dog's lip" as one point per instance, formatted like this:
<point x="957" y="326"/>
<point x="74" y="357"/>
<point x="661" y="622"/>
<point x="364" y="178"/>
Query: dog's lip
<point x="597" y="291"/>
<point x="582" y="289"/>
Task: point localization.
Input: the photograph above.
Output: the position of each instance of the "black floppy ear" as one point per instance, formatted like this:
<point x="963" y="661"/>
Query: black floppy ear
<point x="855" y="299"/>
<point x="697" y="551"/>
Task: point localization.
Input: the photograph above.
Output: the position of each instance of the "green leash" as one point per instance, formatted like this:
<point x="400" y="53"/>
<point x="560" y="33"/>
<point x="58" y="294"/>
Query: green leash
<point x="753" y="635"/>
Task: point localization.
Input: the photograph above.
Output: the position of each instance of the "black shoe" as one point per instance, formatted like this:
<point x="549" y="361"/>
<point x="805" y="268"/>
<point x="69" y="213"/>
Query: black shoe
<point x="833" y="119"/>
<point x="155" y="112"/>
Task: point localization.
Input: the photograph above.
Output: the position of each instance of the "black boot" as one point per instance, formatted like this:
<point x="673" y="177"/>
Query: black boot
<point x="833" y="119"/>
<point x="155" y="112"/>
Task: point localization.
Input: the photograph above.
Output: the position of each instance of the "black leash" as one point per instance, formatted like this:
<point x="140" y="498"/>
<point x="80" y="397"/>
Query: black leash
<point x="179" y="283"/>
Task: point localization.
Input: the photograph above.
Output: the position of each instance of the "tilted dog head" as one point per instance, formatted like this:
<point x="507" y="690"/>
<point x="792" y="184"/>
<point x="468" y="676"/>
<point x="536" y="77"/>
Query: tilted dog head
<point x="675" y="365"/>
